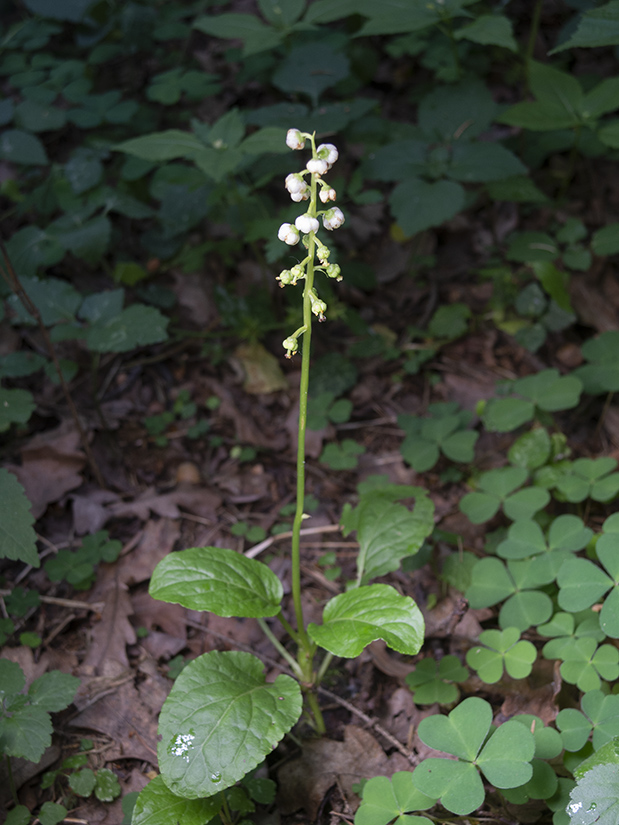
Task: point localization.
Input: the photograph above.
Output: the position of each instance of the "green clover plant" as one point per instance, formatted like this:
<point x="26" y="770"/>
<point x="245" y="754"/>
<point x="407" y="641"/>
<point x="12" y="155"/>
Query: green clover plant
<point x="501" y="649"/>
<point x="433" y="681"/>
<point x="499" y="488"/>
<point x="221" y="718"/>
<point x="444" y="431"/>
<point x="387" y="800"/>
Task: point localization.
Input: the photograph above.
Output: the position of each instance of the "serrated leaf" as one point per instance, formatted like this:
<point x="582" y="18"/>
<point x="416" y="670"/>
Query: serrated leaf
<point x="53" y="691"/>
<point x="220" y="720"/>
<point x="354" y="619"/>
<point x="157" y="805"/>
<point x="419" y="204"/>
<point x="12" y="679"/>
<point x="107" y="786"/>
<point x="489" y="29"/>
<point x="219" y="580"/>
<point x="17" y="537"/>
<point x="83" y="782"/>
<point x="137" y="326"/>
<point x="597" y="27"/>
<point x="595" y="799"/>
<point x="26" y="733"/>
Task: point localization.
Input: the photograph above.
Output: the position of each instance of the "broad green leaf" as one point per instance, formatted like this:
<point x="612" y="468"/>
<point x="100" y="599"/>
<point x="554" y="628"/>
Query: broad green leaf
<point x="136" y="326"/>
<point x="83" y="782"/>
<point x="219" y="580"/>
<point x="506" y="758"/>
<point x="387" y="531"/>
<point x="581" y="584"/>
<point x="30" y="248"/>
<point x="16" y="407"/>
<point x="549" y="390"/>
<point x="595" y="799"/>
<point x="483" y="162"/>
<point x="465" y="109"/>
<point x="397" y="16"/>
<point x="221" y="720"/>
<point x="56" y="300"/>
<point x="602" y="374"/>
<point x="107" y="786"/>
<point x="161" y="146"/>
<point x="256" y="36"/>
<point x="523" y="504"/>
<point x="17" y="537"/>
<point x="608" y="754"/>
<point x="269" y="139"/>
<point x="36" y="117"/>
<point x="71" y="10"/>
<point x="489" y="30"/>
<point x="12" y="679"/>
<point x="296" y="72"/>
<point x="386" y="799"/>
<point x="354" y="619"/>
<point x="419" y="204"/>
<point x="83" y="170"/>
<point x="420" y="454"/>
<point x="554" y="87"/>
<point x="27" y="732"/>
<point x="602" y="98"/>
<point x="53" y="691"/>
<point x="597" y="27"/>
<point x="87" y="240"/>
<point x="51" y="813"/>
<point x="555" y="283"/>
<point x="282" y="15"/>
<point x="157" y="805"/>
<point x="517" y="190"/>
<point x="539" y="116"/>
<point x="17" y="146"/>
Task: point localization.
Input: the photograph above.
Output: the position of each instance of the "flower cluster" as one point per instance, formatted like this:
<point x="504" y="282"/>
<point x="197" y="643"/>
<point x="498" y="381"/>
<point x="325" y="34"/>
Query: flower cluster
<point x="306" y="186"/>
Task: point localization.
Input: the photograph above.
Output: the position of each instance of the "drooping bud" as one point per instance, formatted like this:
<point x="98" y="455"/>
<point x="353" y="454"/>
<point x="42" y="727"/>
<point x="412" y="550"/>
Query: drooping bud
<point x="294" y="139"/>
<point x="291" y="345"/>
<point x="334" y="271"/>
<point x="333" y="218"/>
<point x="285" y="278"/>
<point x="306" y="224"/>
<point x="298" y="188"/>
<point x="327" y="152"/>
<point x="327" y="195"/>
<point x="317" y="166"/>
<point x="288" y="234"/>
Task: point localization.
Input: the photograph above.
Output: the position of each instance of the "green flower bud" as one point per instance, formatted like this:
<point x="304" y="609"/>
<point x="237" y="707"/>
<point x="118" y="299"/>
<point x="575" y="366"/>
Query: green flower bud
<point x="333" y="271"/>
<point x="291" y="345"/>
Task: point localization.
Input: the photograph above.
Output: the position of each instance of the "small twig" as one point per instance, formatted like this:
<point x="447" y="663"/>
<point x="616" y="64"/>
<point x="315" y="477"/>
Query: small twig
<point x="308" y="531"/>
<point x="10" y="276"/>
<point x="372" y="723"/>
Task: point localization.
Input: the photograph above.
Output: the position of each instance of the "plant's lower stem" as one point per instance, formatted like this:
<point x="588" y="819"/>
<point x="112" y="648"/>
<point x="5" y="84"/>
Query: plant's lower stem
<point x="280" y="649"/>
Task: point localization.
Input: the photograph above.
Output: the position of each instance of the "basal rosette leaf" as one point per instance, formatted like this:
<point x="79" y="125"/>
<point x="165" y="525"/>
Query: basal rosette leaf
<point x="354" y="619"/>
<point x="218" y="580"/>
<point x="220" y="720"/>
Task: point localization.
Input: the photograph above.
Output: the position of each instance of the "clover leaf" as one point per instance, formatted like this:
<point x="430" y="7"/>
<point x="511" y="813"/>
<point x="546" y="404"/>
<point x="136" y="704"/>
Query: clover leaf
<point x="588" y="478"/>
<point x="546" y="390"/>
<point x="563" y="630"/>
<point x="433" y="681"/>
<point x="525" y="538"/>
<point x="600" y="714"/>
<point x="387" y="800"/>
<point x="493" y="582"/>
<point x="497" y="489"/>
<point x="582" y="583"/>
<point x="444" y="432"/>
<point x="548" y="745"/>
<point x="198" y="755"/>
<point x="501" y="649"/>
<point x="504" y="757"/>
<point x="601" y="374"/>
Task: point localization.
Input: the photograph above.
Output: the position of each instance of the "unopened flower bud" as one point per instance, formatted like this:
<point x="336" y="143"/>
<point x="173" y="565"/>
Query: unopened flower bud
<point x="297" y="272"/>
<point x="334" y="271"/>
<point x="318" y="307"/>
<point x="323" y="253"/>
<point x="296" y="185"/>
<point x="333" y="218"/>
<point x="291" y="345"/>
<point x="328" y="152"/>
<point x="317" y="166"/>
<point x="288" y="234"/>
<point x="294" y="139"/>
<point x="327" y="195"/>
<point x="306" y="224"/>
<point x="285" y="277"/>
<point x="297" y="197"/>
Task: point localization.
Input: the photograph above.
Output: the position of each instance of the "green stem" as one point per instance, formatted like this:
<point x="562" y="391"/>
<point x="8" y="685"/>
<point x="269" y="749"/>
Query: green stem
<point x="280" y="649"/>
<point x="537" y="13"/>
<point x="324" y="666"/>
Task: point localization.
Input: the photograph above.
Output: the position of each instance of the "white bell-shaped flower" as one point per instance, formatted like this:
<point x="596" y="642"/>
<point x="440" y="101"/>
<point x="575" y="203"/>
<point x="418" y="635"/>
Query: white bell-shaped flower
<point x="327" y="195"/>
<point x="327" y="152"/>
<point x="306" y="224"/>
<point x="317" y="166"/>
<point x="333" y="218"/>
<point x="294" y="139"/>
<point x="288" y="234"/>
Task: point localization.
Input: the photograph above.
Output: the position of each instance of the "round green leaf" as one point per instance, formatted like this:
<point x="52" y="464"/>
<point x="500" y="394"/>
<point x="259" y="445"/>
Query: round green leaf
<point x="17" y="146"/>
<point x="82" y="782"/>
<point x="354" y="619"/>
<point x="523" y="504"/>
<point x="506" y="757"/>
<point x="16" y="407"/>
<point x="385" y="799"/>
<point x="219" y="580"/>
<point x="524" y="539"/>
<point x="479" y="507"/>
<point x="531" y="450"/>
<point x="462" y="733"/>
<point x="525" y="609"/>
<point x="502" y="415"/>
<point x="457" y="784"/>
<point x="157" y="805"/>
<point x="581" y="584"/>
<point x="220" y="720"/>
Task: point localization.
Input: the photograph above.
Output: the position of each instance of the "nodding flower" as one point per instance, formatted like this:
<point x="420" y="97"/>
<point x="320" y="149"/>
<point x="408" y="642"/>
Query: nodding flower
<point x="295" y="139"/>
<point x="327" y="152"/>
<point x="306" y="224"/>
<point x="288" y="234"/>
<point x="333" y="218"/>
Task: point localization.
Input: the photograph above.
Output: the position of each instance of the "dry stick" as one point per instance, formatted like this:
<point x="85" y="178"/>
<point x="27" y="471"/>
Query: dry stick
<point x="10" y="276"/>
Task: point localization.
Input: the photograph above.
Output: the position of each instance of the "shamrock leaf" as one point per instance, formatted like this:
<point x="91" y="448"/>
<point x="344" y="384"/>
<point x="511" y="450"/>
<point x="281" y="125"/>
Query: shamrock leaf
<point x="504" y="757"/>
<point x="499" y="649"/>
<point x="433" y="681"/>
